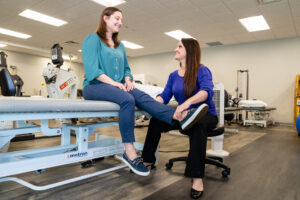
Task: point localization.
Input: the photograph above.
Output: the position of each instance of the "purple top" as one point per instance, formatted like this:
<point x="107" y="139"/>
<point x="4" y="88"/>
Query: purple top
<point x="175" y="86"/>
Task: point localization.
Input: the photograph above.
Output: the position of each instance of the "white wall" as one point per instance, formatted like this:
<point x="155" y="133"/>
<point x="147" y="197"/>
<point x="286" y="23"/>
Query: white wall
<point x="272" y="65"/>
<point x="30" y="69"/>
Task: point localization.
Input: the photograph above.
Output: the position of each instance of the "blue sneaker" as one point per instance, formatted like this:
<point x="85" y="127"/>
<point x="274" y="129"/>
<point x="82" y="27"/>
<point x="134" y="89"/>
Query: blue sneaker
<point x="136" y="165"/>
<point x="194" y="116"/>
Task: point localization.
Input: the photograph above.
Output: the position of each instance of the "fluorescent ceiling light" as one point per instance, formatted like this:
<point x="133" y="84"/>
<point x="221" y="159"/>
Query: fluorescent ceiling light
<point x="109" y="3"/>
<point x="262" y="2"/>
<point x="131" y="45"/>
<point x="3" y="45"/>
<point x="69" y="57"/>
<point x="42" y="18"/>
<point x="14" y="33"/>
<point x="256" y="23"/>
<point x="178" y="34"/>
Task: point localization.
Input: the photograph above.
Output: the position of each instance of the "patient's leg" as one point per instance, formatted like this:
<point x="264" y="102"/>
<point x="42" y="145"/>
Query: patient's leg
<point x="156" y="109"/>
<point x="106" y="92"/>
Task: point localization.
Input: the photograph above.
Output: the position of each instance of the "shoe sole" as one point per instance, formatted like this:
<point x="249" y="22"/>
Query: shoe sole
<point x="134" y="170"/>
<point x="200" y="112"/>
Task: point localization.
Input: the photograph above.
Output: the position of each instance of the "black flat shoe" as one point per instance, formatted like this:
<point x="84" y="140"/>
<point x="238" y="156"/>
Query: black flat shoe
<point x="195" y="194"/>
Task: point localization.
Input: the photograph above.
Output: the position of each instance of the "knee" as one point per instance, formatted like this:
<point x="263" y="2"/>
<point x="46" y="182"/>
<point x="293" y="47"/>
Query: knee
<point x="200" y="125"/>
<point x="137" y="94"/>
<point x="87" y="92"/>
<point x="154" y="122"/>
<point x="197" y="131"/>
<point x="157" y="125"/>
<point x="128" y="101"/>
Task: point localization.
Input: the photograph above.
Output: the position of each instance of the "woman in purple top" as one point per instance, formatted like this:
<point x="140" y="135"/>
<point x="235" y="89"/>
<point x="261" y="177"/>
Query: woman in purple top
<point x="192" y="87"/>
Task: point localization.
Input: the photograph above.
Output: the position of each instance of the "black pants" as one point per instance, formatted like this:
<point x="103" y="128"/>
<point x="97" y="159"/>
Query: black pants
<point x="198" y="135"/>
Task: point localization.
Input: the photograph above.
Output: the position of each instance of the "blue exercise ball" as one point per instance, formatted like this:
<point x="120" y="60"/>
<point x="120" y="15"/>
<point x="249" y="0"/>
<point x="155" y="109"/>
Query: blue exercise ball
<point x="298" y="124"/>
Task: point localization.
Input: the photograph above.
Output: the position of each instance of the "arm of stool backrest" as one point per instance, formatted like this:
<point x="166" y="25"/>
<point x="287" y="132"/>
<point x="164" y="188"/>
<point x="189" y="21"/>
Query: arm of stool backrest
<point x="217" y="131"/>
<point x="7" y="86"/>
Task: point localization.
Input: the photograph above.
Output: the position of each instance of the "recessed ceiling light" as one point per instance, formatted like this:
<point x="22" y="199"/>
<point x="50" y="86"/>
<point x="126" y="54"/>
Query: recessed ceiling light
<point x="42" y="18"/>
<point x="108" y="3"/>
<point x="14" y="33"/>
<point x="256" y="23"/>
<point x="131" y="45"/>
<point x="178" y="34"/>
<point x="3" y="45"/>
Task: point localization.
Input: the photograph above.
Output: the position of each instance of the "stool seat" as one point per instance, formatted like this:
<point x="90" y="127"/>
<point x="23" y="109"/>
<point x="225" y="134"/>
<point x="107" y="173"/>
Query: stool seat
<point x="211" y="160"/>
<point x="215" y="132"/>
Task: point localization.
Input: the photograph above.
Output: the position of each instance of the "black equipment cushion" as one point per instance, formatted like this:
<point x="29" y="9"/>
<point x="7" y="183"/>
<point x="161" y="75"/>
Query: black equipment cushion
<point x="6" y="83"/>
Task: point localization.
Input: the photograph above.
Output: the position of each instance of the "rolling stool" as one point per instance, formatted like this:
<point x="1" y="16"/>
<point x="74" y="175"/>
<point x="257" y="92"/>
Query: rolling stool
<point x="211" y="160"/>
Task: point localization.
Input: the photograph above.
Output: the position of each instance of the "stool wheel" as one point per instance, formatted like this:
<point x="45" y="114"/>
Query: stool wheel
<point x="226" y="173"/>
<point x="169" y="165"/>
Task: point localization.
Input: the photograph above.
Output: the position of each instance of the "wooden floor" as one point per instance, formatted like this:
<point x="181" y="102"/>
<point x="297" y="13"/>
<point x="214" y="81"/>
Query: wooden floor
<point x="263" y="161"/>
<point x="265" y="169"/>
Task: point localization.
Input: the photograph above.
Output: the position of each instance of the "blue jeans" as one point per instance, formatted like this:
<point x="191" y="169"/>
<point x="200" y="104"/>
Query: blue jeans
<point x="127" y="102"/>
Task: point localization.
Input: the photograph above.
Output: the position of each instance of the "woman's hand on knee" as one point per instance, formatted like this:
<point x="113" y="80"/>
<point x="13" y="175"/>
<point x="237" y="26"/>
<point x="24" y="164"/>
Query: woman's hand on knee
<point x="120" y="86"/>
<point x="129" y="85"/>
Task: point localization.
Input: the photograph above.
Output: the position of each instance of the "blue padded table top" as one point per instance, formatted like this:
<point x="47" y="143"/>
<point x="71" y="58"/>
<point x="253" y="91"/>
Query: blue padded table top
<point x="37" y="104"/>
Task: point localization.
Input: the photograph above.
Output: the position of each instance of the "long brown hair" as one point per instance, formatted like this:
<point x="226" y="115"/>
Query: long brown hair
<point x="101" y="29"/>
<point x="193" y="56"/>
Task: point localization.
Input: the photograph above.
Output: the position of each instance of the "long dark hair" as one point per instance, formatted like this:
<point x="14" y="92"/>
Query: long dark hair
<point x="193" y="56"/>
<point x="101" y="29"/>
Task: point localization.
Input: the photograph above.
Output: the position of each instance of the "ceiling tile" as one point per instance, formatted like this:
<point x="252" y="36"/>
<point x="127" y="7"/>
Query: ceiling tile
<point x="145" y="22"/>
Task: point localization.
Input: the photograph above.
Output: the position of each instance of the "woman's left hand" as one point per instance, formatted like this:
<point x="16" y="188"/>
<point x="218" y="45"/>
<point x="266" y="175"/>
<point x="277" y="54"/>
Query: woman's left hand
<point x="129" y="85"/>
<point x="183" y="107"/>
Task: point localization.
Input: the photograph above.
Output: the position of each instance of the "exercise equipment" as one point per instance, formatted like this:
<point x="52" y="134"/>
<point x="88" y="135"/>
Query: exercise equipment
<point x="11" y="84"/>
<point x="59" y="81"/>
<point x="17" y="80"/>
<point x="6" y="82"/>
<point x="239" y="89"/>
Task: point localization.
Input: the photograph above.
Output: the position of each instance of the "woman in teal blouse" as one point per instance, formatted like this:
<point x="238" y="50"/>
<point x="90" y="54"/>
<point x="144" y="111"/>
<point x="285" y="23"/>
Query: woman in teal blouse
<point x="108" y="78"/>
<point x="106" y="60"/>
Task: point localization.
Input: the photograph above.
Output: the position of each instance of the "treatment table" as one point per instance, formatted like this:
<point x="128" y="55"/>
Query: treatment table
<point x="21" y="109"/>
<point x="260" y="116"/>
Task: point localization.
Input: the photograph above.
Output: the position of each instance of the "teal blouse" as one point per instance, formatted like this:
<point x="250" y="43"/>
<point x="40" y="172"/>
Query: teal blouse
<point x="98" y="58"/>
